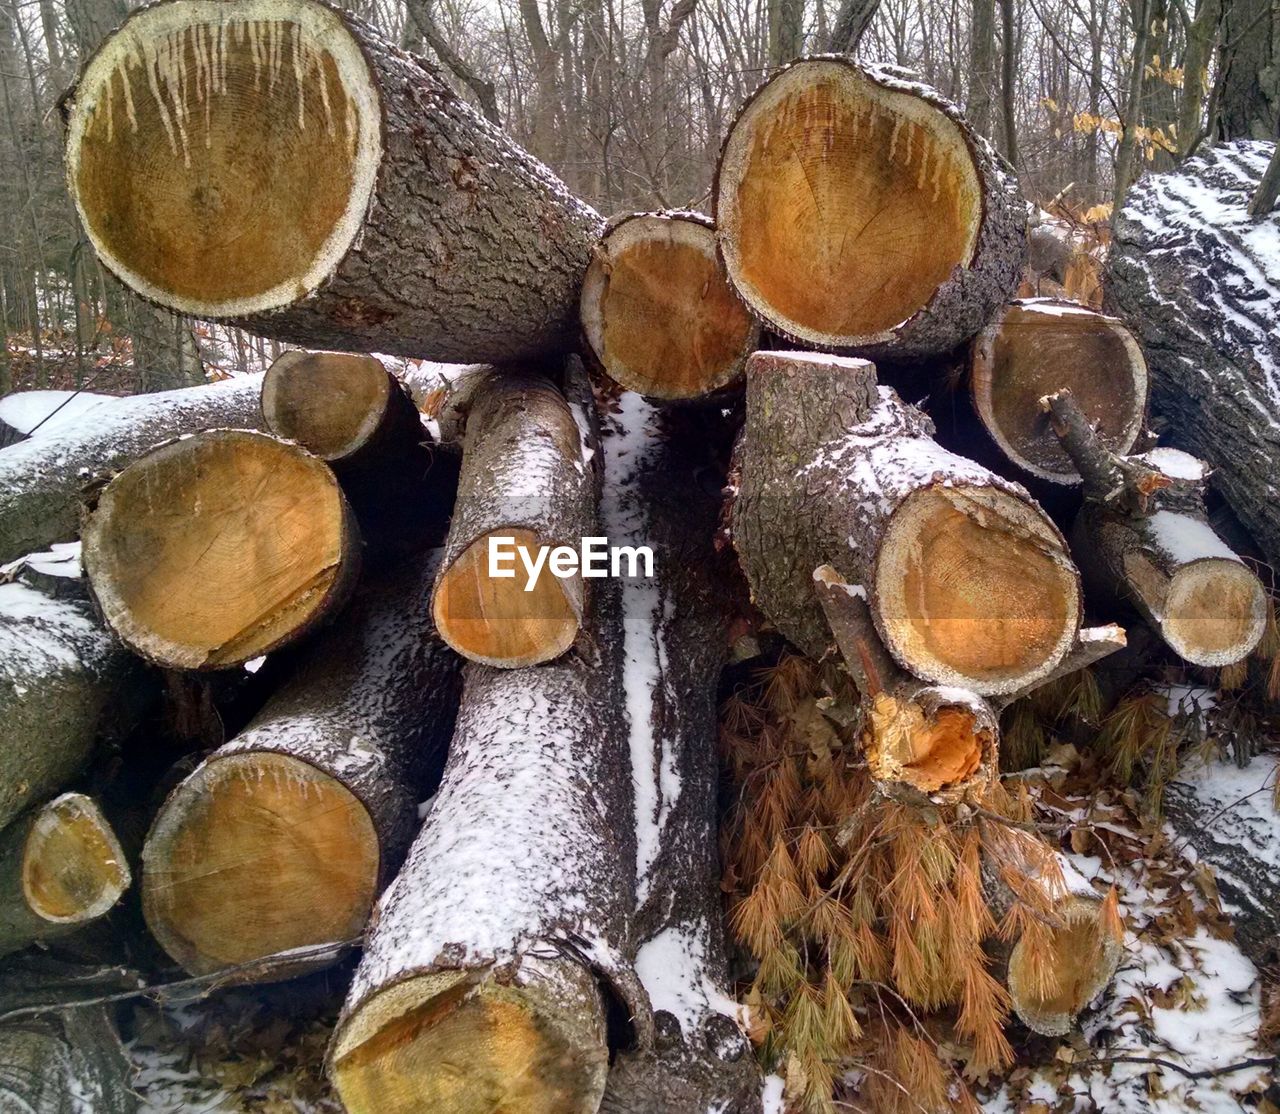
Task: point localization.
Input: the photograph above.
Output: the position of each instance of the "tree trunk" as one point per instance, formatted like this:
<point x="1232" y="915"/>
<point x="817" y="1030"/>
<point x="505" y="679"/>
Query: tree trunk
<point x="1197" y="280"/>
<point x="982" y="65"/>
<point x="968" y="581"/>
<point x="1249" y="62"/>
<point x="527" y="475"/>
<point x="1039" y="346"/>
<point x="264" y="549"/>
<point x="657" y="312"/>
<point x="284" y="837"/>
<point x="394" y="218"/>
<point x="64" y="682"/>
<point x="1144" y="535"/>
<point x="858" y="212"/>
<point x="41" y="481"/>
<point x="65" y="1063"/>
<point x="675" y="641"/>
<point x="61" y="867"/>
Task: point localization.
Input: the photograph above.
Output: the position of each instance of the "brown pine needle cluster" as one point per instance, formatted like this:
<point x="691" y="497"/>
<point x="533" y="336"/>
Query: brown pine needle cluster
<point x="867" y="918"/>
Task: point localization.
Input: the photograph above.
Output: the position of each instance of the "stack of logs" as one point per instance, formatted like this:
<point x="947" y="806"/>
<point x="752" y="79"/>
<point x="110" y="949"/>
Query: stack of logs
<point x="545" y="935"/>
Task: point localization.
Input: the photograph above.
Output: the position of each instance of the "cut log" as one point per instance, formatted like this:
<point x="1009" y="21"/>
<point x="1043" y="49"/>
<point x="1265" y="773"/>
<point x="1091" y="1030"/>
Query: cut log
<point x="64" y="683"/>
<point x="1039" y="346"/>
<point x="968" y="581"/>
<point x="65" y="1063"/>
<point x="284" y="837"/>
<point x="527" y="476"/>
<point x="1143" y="536"/>
<point x="348" y="410"/>
<point x="41" y="480"/>
<point x="61" y="867"/>
<point x="211" y="550"/>
<point x="478" y="989"/>
<point x="281" y="164"/>
<point x="857" y="211"/>
<point x="658" y="312"/>
<point x="1198" y="281"/>
<point x="676" y="641"/>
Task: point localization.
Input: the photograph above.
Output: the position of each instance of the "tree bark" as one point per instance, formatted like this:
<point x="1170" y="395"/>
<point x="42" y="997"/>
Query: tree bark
<point x="1144" y="535"/>
<point x="826" y="146"/>
<point x="835" y="470"/>
<point x="422" y="230"/>
<point x="1200" y="292"/>
<point x="1249" y="102"/>
<point x="657" y="312"/>
<point x="527" y="475"/>
<point x="284" y="837"/>
<point x="982" y="65"/>
<point x="1039" y="346"/>
<point x="42" y="480"/>
<point x="65" y="1063"/>
<point x="61" y="867"/>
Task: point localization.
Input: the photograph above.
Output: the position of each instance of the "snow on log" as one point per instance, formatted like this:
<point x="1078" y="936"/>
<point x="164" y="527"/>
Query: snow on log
<point x="283" y="837"/>
<point x="478" y="988"/>
<point x="64" y="682"/>
<point x="278" y="163"/>
<point x="858" y="211"/>
<point x="210" y="550"/>
<point x="528" y="485"/>
<point x="658" y="312"/>
<point x="68" y="1062"/>
<point x="1143" y="535"/>
<point x="1038" y="346"/>
<point x="1198" y="280"/>
<point x="61" y="867"/>
<point x="41" y="480"/>
<point x="968" y="581"/>
<point x="675" y="641"/>
<point x="42" y="413"/>
<point x="1226" y="814"/>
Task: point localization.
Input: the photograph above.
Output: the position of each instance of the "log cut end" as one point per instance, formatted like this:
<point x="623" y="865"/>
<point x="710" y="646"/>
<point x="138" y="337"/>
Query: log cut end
<point x="463" y="1042"/>
<point x="494" y="620"/>
<point x="658" y="312"/>
<point x="1038" y="347"/>
<point x="844" y="204"/>
<point x="257" y="854"/>
<point x="213" y="549"/>
<point x="180" y="120"/>
<point x="1215" y="612"/>
<point x="939" y="742"/>
<point x="974" y="588"/>
<point x="1050" y="987"/>
<point x="331" y="403"/>
<point x="73" y="869"/>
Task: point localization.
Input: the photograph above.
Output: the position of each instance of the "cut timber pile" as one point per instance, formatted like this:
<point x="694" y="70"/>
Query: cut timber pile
<point x="284" y="837"/>
<point x="268" y="549"/>
<point x="658" y="312"/>
<point x="280" y="164"/>
<point x="859" y="212"/>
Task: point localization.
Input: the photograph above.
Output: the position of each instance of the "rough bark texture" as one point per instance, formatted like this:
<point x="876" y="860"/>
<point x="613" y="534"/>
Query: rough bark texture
<point x="675" y="641"/>
<point x="965" y="300"/>
<point x="64" y="682"/>
<point x="827" y="459"/>
<point x="41" y="480"/>
<point x="526" y="473"/>
<point x="370" y="704"/>
<point x="463" y="246"/>
<point x="66" y="1063"/>
<point x="1199" y="282"/>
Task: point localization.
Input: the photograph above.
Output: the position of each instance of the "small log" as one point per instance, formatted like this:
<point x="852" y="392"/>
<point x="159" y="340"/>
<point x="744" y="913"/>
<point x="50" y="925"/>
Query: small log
<point x="1038" y="346"/>
<point x="676" y="641"/>
<point x="478" y="988"/>
<point x="528" y="474"/>
<point x="64" y="684"/>
<point x="657" y="311"/>
<point x="968" y="581"/>
<point x="211" y="550"/>
<point x="61" y="867"/>
<point x="65" y="1063"/>
<point x="857" y="211"/>
<point x="280" y="164"/>
<point x="284" y="837"/>
<point x="1144" y="537"/>
<point x="42" y="480"/>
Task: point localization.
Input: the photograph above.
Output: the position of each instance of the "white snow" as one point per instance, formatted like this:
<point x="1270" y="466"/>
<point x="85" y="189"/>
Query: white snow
<point x="1187" y="539"/>
<point x="672" y="967"/>
<point x="1052" y="308"/>
<point x="1175" y="463"/>
<point x="42" y="413"/>
<point x="771" y="1093"/>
